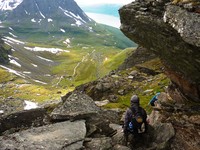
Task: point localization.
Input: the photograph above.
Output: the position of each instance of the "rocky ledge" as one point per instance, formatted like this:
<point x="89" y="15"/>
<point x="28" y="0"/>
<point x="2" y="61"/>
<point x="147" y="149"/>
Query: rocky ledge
<point x="77" y="124"/>
<point x="171" y="32"/>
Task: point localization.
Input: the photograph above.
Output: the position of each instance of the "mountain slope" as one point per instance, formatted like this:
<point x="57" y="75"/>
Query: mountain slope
<point x="54" y="43"/>
<point x="4" y="51"/>
<point x="55" y="21"/>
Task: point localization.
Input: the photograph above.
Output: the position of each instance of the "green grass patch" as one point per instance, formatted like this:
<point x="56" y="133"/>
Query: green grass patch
<point x="5" y="76"/>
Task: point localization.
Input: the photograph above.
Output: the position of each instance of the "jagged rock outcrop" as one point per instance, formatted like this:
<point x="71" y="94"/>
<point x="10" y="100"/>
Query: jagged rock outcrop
<point x="77" y="106"/>
<point x="171" y="32"/>
<point x="99" y="131"/>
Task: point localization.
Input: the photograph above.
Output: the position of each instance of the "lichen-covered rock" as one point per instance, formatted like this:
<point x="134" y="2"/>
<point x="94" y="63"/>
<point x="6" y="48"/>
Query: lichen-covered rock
<point x="172" y="33"/>
<point x="65" y="135"/>
<point x="185" y="23"/>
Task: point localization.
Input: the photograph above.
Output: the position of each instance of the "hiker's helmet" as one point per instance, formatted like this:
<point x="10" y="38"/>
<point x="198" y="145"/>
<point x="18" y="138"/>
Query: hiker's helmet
<point x="135" y="99"/>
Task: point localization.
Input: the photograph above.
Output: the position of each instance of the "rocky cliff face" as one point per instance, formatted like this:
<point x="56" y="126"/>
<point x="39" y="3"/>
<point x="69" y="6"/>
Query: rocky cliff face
<point x="172" y="32"/>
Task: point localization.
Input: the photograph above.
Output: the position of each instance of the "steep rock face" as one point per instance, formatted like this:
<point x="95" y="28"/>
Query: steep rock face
<point x="171" y="32"/>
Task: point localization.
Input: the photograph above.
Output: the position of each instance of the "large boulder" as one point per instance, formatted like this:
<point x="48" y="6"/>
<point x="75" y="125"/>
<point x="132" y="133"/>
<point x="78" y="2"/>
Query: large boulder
<point x="171" y="32"/>
<point x="65" y="135"/>
<point x="23" y="119"/>
<point x="76" y="106"/>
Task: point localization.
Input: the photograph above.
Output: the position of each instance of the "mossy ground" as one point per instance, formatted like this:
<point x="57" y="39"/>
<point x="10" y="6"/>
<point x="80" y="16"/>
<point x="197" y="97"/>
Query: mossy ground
<point x="145" y="89"/>
<point x="90" y="65"/>
<point x="15" y="87"/>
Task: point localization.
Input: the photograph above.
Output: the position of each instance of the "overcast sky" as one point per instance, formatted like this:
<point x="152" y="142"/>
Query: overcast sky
<point x="99" y="2"/>
<point x="103" y="18"/>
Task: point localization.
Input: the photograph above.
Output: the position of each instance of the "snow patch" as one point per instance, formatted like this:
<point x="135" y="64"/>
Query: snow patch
<point x="33" y="20"/>
<point x="67" y="42"/>
<point x="13" y="71"/>
<point x="12" y="61"/>
<point x="7" y="43"/>
<point x="78" y="23"/>
<point x="10" y="56"/>
<point x="40" y="82"/>
<point x="62" y="30"/>
<point x="45" y="59"/>
<point x="12" y="35"/>
<point x="40" y="11"/>
<point x="11" y="40"/>
<point x="42" y="15"/>
<point x="34" y="65"/>
<point x="49" y="20"/>
<point x="1" y="111"/>
<point x="42" y="49"/>
<point x="77" y="18"/>
<point x="26" y="72"/>
<point x="9" y="4"/>
<point x="30" y="105"/>
<point x="26" y="12"/>
<point x="47" y="75"/>
<point x="90" y="29"/>
<point x="11" y="28"/>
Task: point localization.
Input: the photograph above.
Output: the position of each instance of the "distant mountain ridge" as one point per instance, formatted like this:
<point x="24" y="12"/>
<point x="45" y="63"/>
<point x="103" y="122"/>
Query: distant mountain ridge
<point x="34" y="13"/>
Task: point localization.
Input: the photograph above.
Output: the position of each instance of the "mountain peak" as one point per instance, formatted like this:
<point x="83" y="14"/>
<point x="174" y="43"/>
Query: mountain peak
<point x="42" y="13"/>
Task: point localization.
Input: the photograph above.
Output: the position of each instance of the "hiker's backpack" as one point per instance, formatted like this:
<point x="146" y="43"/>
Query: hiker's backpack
<point x="136" y="125"/>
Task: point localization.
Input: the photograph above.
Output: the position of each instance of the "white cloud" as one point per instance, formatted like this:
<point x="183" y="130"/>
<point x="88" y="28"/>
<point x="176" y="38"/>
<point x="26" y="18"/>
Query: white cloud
<point x="100" y="2"/>
<point x="105" y="19"/>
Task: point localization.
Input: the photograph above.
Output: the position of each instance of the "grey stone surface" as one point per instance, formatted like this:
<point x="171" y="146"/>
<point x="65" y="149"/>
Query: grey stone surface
<point x="66" y="135"/>
<point x="187" y="24"/>
<point x="76" y="106"/>
<point x="99" y="144"/>
<point x="173" y="34"/>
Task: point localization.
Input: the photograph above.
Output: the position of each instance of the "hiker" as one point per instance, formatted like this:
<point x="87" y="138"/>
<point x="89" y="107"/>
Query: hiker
<point x="154" y="99"/>
<point x="135" y="119"/>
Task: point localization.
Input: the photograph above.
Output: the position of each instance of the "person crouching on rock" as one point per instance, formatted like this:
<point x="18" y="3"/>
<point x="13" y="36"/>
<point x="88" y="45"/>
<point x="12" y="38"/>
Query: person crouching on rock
<point x="154" y="99"/>
<point x="135" y="121"/>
